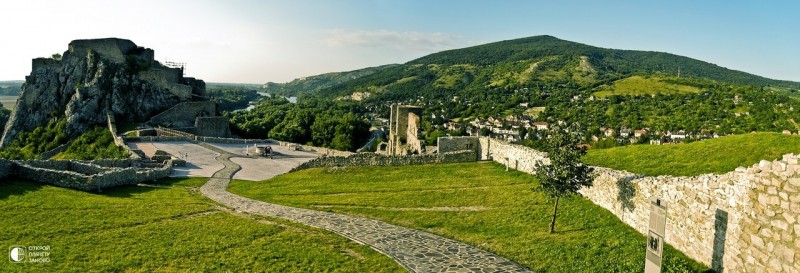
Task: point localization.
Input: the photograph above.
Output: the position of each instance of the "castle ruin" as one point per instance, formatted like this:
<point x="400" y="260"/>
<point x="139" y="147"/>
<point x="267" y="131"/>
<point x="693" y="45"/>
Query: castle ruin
<point x="404" y="136"/>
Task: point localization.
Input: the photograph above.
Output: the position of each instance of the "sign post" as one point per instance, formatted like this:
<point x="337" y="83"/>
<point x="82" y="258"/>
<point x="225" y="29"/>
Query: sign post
<point x="655" y="236"/>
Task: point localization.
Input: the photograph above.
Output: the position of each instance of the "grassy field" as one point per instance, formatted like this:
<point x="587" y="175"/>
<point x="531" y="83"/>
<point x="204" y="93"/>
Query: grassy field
<point x="166" y="228"/>
<point x="8" y="102"/>
<point x="478" y="203"/>
<point x="638" y="85"/>
<point x="719" y="155"/>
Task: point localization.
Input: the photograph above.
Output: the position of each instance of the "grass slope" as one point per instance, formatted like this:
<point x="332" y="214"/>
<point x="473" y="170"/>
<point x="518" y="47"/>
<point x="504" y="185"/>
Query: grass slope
<point x="720" y="155"/>
<point x="638" y="85"/>
<point x="478" y="203"/>
<point x="166" y="228"/>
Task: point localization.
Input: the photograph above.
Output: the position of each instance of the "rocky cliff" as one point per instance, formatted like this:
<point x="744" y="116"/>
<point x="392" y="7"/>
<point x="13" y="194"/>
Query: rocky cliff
<point x="94" y="77"/>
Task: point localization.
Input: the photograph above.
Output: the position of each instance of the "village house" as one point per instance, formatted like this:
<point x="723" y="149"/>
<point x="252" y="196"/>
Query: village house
<point x="679" y="135"/>
<point x="541" y="125"/>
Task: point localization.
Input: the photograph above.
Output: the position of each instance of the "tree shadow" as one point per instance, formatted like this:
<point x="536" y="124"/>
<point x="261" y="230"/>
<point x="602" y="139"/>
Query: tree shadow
<point x="131" y="190"/>
<point x="11" y="186"/>
<point x="720" y="232"/>
<point x="626" y="193"/>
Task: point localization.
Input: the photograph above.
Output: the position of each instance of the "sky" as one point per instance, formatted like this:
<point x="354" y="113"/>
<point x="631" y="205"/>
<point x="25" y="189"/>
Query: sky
<point x="277" y="41"/>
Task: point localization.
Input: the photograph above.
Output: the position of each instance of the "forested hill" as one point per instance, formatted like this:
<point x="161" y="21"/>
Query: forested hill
<point x="535" y="62"/>
<point x="609" y="62"/>
<point x="315" y="83"/>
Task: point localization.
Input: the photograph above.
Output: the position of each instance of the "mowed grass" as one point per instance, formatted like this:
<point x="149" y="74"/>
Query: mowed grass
<point x="718" y="155"/>
<point x="638" y="85"/>
<point x="477" y="203"/>
<point x="168" y="228"/>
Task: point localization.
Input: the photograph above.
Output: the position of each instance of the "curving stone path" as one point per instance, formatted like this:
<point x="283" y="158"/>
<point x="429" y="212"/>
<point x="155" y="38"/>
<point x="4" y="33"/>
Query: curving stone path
<point x="416" y="250"/>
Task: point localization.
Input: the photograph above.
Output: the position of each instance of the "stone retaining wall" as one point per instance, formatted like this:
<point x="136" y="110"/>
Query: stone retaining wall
<point x="119" y="141"/>
<point x="84" y="175"/>
<point x="54" y="151"/>
<point x="320" y="150"/>
<point x="231" y="140"/>
<point x="5" y="168"/>
<point x="747" y="220"/>
<point x="373" y="159"/>
<point x="156" y="138"/>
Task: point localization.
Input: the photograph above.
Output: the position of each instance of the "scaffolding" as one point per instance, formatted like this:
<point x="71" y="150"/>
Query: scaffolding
<point x="179" y="65"/>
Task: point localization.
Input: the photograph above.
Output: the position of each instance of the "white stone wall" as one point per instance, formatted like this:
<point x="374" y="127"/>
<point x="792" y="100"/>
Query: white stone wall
<point x="747" y="220"/>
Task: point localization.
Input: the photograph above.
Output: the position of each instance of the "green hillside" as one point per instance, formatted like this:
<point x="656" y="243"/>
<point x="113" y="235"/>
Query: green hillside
<point x="637" y="89"/>
<point x="534" y="62"/>
<point x="638" y="85"/>
<point x="720" y="155"/>
<point x="315" y="83"/>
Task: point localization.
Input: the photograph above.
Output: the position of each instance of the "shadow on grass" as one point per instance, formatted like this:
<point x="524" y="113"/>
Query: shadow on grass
<point x="21" y="187"/>
<point x="130" y="190"/>
<point x="581" y="229"/>
<point x="17" y="187"/>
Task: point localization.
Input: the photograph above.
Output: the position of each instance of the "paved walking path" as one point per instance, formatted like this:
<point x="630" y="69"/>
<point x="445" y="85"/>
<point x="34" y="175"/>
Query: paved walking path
<point x="416" y="250"/>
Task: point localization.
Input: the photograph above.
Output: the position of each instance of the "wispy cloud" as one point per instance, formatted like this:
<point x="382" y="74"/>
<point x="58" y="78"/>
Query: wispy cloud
<point x="402" y="40"/>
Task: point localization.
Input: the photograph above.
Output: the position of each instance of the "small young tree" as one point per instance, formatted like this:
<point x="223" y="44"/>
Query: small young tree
<point x="565" y="174"/>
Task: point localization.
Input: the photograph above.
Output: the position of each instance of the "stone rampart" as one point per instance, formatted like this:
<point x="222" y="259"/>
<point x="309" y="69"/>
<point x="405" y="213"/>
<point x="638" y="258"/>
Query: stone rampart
<point x="373" y="159"/>
<point x="747" y="220"/>
<point x="213" y="127"/>
<point x="457" y="143"/>
<point x="156" y="138"/>
<point x="119" y="141"/>
<point x="512" y="155"/>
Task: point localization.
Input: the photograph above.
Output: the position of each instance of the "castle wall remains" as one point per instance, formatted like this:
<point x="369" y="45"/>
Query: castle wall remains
<point x="747" y="220"/>
<point x="373" y="159"/>
<point x="213" y="127"/>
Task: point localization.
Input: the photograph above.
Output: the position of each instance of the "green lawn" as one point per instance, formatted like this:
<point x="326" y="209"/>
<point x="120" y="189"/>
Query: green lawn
<point x="166" y="228"/>
<point x="637" y="85"/>
<point x="478" y="203"/>
<point x="719" y="155"/>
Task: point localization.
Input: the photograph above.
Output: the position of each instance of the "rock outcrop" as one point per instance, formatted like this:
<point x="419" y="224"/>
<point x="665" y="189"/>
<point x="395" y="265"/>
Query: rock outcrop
<point x="95" y="77"/>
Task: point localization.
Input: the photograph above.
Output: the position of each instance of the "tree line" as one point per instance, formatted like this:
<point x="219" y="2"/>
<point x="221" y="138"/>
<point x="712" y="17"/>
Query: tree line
<point x="333" y="124"/>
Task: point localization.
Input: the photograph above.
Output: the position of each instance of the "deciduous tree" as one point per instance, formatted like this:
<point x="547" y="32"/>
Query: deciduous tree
<point x="565" y="174"/>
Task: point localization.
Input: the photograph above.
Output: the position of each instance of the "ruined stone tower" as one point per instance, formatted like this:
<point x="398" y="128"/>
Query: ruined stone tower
<point x="404" y="121"/>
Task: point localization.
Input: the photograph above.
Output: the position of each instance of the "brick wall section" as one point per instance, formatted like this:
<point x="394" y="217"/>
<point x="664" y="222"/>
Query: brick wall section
<point x="373" y="159"/>
<point x="747" y="220"/>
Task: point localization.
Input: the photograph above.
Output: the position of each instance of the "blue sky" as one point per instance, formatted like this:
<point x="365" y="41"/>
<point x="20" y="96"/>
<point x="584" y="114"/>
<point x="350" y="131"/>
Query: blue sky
<point x="260" y="41"/>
